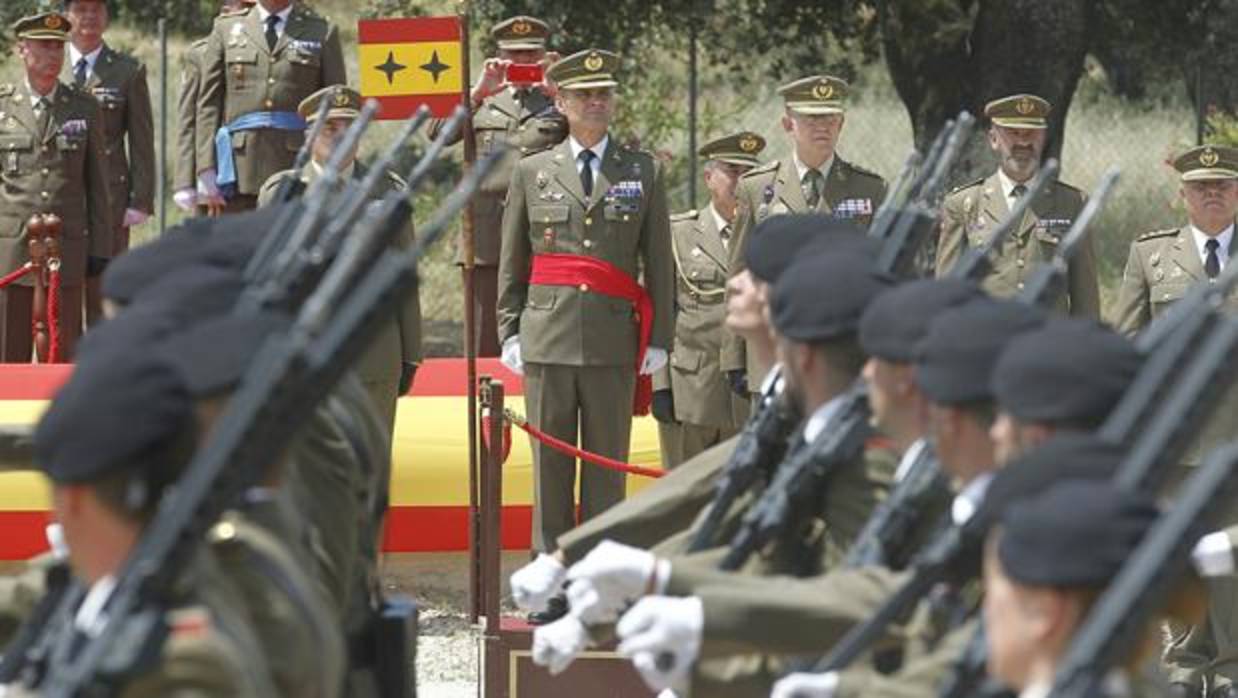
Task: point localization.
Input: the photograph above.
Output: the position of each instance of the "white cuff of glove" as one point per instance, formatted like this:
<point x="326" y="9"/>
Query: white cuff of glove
<point x="556" y="645"/>
<point x="1214" y="555"/>
<point x="185" y="199"/>
<point x="655" y="358"/>
<point x="807" y="686"/>
<point x="206" y="185"/>
<point x="510" y="356"/>
<point x="662" y="637"/>
<point x="534" y="584"/>
<point x="134" y="217"/>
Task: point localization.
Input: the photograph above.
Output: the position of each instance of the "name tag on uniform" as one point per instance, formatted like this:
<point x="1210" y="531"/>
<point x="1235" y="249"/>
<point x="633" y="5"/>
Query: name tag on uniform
<point x="853" y="208"/>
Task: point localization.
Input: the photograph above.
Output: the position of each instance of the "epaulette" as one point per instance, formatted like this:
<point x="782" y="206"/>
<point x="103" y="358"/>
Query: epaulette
<point x="969" y="185"/>
<point x="761" y="169"/>
<point x="6" y="90"/>
<point x="238" y="12"/>
<point x="529" y="151"/>
<point x="685" y="216"/>
<point x="1157" y="234"/>
<point x="199" y="43"/>
<point x="860" y="170"/>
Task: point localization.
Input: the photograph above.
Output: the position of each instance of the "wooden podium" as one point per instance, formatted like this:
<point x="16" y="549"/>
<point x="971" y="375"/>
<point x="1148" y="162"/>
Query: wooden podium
<point x="508" y="670"/>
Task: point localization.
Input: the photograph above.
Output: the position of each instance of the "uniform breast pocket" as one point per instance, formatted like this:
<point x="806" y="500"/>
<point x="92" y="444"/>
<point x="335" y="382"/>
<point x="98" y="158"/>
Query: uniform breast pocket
<point x="306" y="59"/>
<point x="12" y="148"/>
<point x="546" y="222"/>
<point x="242" y="61"/>
<point x="1049" y="237"/>
<point x="489" y="137"/>
<point x="70" y="144"/>
<point x="1162" y="295"/>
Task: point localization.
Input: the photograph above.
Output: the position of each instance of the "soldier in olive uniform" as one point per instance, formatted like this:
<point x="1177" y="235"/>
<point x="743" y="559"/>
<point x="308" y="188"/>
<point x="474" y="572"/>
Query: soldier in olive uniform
<point x="1161" y="268"/>
<point x="969" y="213"/>
<point x="521" y="115"/>
<point x="388" y="368"/>
<point x="256" y="69"/>
<point x="118" y="81"/>
<point x="51" y="136"/>
<point x="692" y="400"/>
<point x="814" y="178"/>
<point x="582" y="221"/>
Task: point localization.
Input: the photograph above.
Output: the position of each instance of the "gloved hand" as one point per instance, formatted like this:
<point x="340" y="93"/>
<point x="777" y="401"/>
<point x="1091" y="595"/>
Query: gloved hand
<point x="662" y="637"/>
<point x="1213" y="555"/>
<point x="663" y="406"/>
<point x="408" y="371"/>
<point x="186" y="199"/>
<point x="557" y="644"/>
<point x="510" y="355"/>
<point x="619" y="573"/>
<point x="738" y="378"/>
<point x="806" y="686"/>
<point x="655" y="358"/>
<point x="534" y="584"/>
<point x="95" y="266"/>
<point x="209" y="194"/>
<point x="134" y="217"/>
<point x="591" y="606"/>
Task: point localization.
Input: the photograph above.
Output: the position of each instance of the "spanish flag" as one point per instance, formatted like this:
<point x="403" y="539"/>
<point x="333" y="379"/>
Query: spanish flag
<point x="406" y="63"/>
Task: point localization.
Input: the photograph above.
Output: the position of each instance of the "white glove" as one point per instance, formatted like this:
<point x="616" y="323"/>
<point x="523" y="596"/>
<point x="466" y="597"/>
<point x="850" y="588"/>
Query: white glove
<point x="662" y="637"/>
<point x="616" y="574"/>
<point x="806" y="686"/>
<point x="557" y="644"/>
<point x="134" y="217"/>
<point x="207" y="188"/>
<point x="655" y="358"/>
<point x="1213" y="555"/>
<point x="186" y="198"/>
<point x="510" y="356"/>
<point x="534" y="584"/>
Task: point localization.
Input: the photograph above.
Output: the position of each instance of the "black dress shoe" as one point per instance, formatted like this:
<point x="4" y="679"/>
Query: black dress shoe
<point x="556" y="608"/>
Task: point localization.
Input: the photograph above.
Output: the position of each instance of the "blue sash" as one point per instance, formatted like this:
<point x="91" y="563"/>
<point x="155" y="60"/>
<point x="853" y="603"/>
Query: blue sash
<point x="225" y="163"/>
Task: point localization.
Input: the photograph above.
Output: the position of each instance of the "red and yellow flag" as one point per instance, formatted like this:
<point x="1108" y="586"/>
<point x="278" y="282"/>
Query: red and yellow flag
<point x="405" y="63"/>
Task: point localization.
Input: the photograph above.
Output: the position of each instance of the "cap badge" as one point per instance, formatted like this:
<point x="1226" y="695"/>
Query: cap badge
<point x="748" y="144"/>
<point x="521" y="27"/>
<point x="52" y="22"/>
<point x="1024" y="106"/>
<point x="341" y="99"/>
<point x="823" y="90"/>
<point x="594" y="62"/>
<point x="1209" y="157"/>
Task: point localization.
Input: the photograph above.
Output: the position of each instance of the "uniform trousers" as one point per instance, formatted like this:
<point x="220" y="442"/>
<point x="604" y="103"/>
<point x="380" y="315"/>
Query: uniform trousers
<point x="17" y="327"/>
<point x="563" y="401"/>
<point x="683" y="440"/>
<point x="485" y="309"/>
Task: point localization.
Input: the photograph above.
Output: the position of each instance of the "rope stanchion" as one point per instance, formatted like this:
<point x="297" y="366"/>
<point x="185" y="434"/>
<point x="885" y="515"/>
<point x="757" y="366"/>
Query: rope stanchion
<point x="16" y="274"/>
<point x="53" y="313"/>
<point x="568" y="449"/>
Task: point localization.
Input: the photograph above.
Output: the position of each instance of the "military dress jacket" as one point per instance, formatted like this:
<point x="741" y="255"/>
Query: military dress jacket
<point x="970" y="214"/>
<point x="61" y="170"/>
<point x="400" y="341"/>
<point x="118" y="81"/>
<point x="694" y="376"/>
<point x="185" y="173"/>
<point x="851" y="192"/>
<point x="241" y="75"/>
<point x="625" y="223"/>
<point x="528" y="122"/>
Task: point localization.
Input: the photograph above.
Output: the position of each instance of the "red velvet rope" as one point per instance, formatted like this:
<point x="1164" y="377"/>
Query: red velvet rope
<point x="16" y="274"/>
<point x="568" y="449"/>
<point x="53" y="316"/>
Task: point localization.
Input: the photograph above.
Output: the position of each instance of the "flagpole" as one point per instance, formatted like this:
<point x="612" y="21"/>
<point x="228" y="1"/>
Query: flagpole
<point x="470" y="330"/>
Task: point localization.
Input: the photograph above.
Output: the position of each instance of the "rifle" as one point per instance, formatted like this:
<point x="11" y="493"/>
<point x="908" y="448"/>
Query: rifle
<point x="760" y="447"/>
<point x="1049" y="280"/>
<point x="1113" y="625"/>
<point x="291" y="372"/>
<point x="887" y="537"/>
<point x="293" y="187"/>
<point x="909" y="184"/>
<point x="975" y="264"/>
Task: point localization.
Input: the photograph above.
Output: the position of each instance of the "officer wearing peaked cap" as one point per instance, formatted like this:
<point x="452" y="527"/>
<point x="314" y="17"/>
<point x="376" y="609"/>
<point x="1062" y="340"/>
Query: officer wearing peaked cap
<point x="813" y="179"/>
<point x="1017" y="132"/>
<point x="692" y="399"/>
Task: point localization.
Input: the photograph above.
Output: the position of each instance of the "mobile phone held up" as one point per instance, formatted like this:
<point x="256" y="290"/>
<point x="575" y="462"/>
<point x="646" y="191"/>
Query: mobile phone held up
<point x="525" y="73"/>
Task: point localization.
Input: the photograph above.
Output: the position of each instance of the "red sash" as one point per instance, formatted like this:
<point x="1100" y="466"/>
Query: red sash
<point x="596" y="276"/>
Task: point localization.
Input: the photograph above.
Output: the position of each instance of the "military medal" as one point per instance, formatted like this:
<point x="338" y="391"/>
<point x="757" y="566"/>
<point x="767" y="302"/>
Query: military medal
<point x="548" y="238"/>
<point x="542" y="179"/>
<point x="238" y="70"/>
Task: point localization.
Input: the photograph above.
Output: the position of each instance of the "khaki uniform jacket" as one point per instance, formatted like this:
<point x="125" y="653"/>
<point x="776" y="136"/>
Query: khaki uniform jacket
<point x="62" y="170"/>
<point x="1161" y="268"/>
<point x="702" y="392"/>
<point x="850" y="192"/>
<point x="240" y="75"/>
<point x="527" y="122"/>
<point x="547" y="212"/>
<point x="969" y="215"/>
<point x="118" y="81"/>
<point x="185" y="174"/>
<point x="400" y="340"/>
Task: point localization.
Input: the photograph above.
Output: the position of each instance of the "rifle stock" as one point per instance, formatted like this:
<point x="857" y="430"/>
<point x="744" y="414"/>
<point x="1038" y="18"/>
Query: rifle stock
<point x="887" y="536"/>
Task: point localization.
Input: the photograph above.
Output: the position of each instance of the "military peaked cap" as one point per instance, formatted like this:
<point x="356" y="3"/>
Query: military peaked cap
<point x="521" y="33"/>
<point x="1019" y="111"/>
<point x="45" y="25"/>
<point x="1208" y="162"/>
<point x="738" y="149"/>
<point x="816" y="94"/>
<point x="585" y="69"/>
<point x="345" y="103"/>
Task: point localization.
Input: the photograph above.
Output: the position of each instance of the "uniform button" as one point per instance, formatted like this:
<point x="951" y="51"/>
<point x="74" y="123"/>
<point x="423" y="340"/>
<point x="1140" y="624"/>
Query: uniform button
<point x="47" y="148"/>
<point x="46" y="171"/>
<point x="692" y="275"/>
<point x="1019" y="263"/>
<point x="269" y="104"/>
<point x="270" y="81"/>
<point x="1020" y="285"/>
<point x="588" y="221"/>
<point x="45" y="195"/>
<point x="107" y="151"/>
<point x="584" y="288"/>
<point x="588" y="243"/>
<point x="523" y="126"/>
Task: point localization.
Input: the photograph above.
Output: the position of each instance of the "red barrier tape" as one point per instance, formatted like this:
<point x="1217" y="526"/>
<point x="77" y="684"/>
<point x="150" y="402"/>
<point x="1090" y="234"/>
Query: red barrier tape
<point x="53" y="316"/>
<point x="568" y="449"/>
<point x="16" y="274"/>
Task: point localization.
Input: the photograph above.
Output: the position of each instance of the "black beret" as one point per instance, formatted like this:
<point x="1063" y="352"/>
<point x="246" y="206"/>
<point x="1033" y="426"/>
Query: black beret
<point x="897" y="320"/>
<point x="822" y="295"/>
<point x="211" y="356"/>
<point x="122" y="401"/>
<point x="234" y="239"/>
<point x="1074" y="534"/>
<point x="1072" y="369"/>
<point x="954" y="362"/>
<point x="778" y="241"/>
<point x="143" y="265"/>
<point x="196" y="292"/>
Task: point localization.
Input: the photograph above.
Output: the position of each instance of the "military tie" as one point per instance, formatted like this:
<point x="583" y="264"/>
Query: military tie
<point x="1212" y="265"/>
<point x="586" y="171"/>
<point x="1018" y="191"/>
<point x="43" y="114"/>
<point x="813" y="186"/>
<point x="79" y="72"/>
<point x="725" y="234"/>
<point x="272" y="37"/>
